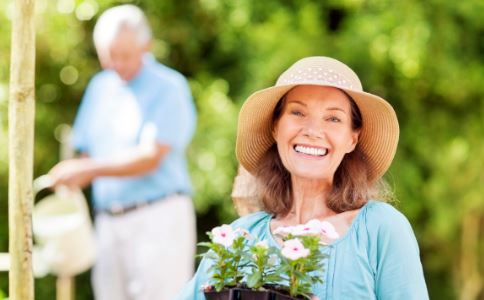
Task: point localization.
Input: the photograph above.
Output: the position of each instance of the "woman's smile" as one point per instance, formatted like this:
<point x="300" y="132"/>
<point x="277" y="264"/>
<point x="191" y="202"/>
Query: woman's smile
<point x="311" y="151"/>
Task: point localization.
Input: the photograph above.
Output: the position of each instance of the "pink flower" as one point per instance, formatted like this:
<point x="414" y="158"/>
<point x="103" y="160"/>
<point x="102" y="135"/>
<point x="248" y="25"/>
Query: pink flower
<point x="273" y="260"/>
<point x="294" y="249"/>
<point x="283" y="230"/>
<point x="323" y="228"/>
<point x="310" y="228"/>
<point x="223" y="235"/>
<point x="327" y="229"/>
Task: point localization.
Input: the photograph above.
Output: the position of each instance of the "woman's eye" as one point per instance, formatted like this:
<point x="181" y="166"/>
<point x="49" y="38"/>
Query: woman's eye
<point x="334" y="119"/>
<point x="297" y="113"/>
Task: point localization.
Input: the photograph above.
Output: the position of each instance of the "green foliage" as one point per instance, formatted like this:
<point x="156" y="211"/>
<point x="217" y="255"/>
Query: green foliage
<point x="424" y="57"/>
<point x="240" y="260"/>
<point x="262" y="262"/>
<point x="304" y="272"/>
<point x="228" y="260"/>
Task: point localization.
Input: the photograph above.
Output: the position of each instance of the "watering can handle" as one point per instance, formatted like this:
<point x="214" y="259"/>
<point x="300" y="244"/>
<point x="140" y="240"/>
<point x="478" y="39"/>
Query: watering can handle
<point x="41" y="183"/>
<point x="45" y="181"/>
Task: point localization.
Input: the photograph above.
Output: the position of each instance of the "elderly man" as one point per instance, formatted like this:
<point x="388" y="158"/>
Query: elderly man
<point x="133" y="126"/>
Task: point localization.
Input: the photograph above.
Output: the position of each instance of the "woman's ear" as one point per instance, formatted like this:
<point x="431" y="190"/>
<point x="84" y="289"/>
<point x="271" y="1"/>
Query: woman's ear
<point x="274" y="130"/>
<point x="354" y="140"/>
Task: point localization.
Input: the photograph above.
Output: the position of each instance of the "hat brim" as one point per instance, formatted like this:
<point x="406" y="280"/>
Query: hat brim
<point x="378" y="137"/>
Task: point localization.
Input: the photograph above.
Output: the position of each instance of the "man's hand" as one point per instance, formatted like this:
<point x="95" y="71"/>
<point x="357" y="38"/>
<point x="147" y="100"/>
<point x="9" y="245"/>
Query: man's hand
<point x="78" y="172"/>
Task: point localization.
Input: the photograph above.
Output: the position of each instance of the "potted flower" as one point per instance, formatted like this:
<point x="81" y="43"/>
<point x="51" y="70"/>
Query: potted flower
<point x="226" y="250"/>
<point x="301" y="264"/>
<point x="246" y="269"/>
<point x="302" y="258"/>
<point x="262" y="271"/>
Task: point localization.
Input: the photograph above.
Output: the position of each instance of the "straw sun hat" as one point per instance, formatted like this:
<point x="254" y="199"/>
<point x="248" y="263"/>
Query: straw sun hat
<point x="379" y="134"/>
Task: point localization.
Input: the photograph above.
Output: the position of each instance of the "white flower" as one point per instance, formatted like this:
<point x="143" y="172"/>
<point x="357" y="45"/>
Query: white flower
<point x="283" y="230"/>
<point x="323" y="228"/>
<point x="273" y="260"/>
<point x="310" y="228"/>
<point x="262" y="244"/>
<point x="294" y="249"/>
<point x="223" y="235"/>
<point x="327" y="229"/>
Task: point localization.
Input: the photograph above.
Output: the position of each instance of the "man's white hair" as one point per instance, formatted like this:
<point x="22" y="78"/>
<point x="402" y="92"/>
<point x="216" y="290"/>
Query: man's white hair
<point x="113" y="20"/>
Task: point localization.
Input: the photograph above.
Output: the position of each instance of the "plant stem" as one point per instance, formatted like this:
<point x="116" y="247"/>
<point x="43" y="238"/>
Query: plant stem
<point x="293" y="283"/>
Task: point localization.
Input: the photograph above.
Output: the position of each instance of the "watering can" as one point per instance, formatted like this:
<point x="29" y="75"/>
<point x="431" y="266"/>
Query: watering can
<point x="63" y="231"/>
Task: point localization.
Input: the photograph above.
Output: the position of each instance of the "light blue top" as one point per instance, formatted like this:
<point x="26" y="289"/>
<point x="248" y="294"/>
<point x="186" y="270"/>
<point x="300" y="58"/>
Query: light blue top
<point x="378" y="258"/>
<point x="115" y="116"/>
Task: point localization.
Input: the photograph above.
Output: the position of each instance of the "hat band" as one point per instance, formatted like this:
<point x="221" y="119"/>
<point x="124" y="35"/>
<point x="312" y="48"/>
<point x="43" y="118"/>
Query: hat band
<point x="316" y="75"/>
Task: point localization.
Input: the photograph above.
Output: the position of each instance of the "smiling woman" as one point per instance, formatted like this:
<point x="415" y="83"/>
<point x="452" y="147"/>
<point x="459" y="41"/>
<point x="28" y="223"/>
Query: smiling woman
<point x="314" y="128"/>
<point x="314" y="132"/>
<point x="318" y="146"/>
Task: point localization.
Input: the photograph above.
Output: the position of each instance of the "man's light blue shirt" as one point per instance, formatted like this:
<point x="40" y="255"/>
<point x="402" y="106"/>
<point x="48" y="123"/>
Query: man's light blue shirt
<point x="377" y="258"/>
<point x="116" y="116"/>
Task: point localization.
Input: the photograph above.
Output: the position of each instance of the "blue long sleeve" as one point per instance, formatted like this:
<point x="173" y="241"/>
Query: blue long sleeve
<point x="398" y="270"/>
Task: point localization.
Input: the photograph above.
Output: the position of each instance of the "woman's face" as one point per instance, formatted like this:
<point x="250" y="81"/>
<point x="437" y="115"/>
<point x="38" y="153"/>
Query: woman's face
<point x="314" y="132"/>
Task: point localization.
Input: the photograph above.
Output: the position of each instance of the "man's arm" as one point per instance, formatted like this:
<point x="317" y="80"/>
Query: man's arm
<point x="79" y="172"/>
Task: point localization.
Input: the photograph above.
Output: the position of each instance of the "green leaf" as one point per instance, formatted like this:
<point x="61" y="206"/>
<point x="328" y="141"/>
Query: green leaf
<point x="253" y="280"/>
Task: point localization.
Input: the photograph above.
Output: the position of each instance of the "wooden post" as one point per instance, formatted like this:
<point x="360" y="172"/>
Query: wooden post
<point x="21" y="139"/>
<point x="65" y="286"/>
<point x="471" y="281"/>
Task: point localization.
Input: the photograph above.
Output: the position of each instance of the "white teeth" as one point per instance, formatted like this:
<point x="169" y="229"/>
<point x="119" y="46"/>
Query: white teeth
<point x="311" y="151"/>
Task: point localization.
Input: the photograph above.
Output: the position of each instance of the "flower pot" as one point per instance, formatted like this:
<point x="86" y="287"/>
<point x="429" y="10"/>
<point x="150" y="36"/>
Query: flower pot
<point x="225" y="294"/>
<point x="281" y="296"/>
<point x="239" y="294"/>
<point x="254" y="295"/>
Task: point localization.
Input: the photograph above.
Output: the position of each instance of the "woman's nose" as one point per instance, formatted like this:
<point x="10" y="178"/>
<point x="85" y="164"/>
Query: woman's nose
<point x="313" y="129"/>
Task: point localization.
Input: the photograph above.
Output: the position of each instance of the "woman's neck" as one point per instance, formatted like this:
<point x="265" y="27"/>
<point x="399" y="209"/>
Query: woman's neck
<point x="309" y="201"/>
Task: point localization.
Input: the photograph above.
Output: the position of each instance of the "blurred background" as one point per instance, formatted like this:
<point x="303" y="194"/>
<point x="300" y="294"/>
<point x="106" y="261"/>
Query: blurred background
<point x="425" y="57"/>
